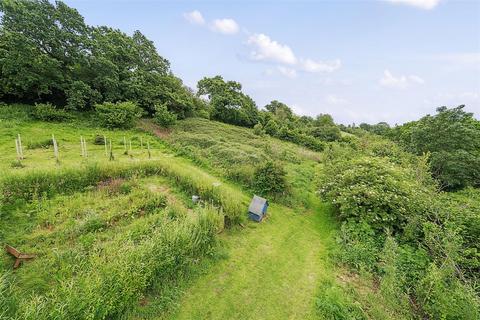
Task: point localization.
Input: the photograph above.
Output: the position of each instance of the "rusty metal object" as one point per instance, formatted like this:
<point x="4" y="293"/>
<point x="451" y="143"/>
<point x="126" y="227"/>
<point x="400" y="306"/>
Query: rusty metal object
<point x="20" y="257"/>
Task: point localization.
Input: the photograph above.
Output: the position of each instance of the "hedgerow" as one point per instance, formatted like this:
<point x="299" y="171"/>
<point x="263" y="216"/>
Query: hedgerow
<point x="397" y="225"/>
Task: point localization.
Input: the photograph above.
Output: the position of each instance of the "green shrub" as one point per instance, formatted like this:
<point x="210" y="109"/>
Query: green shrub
<point x="99" y="140"/>
<point x="269" y="179"/>
<point x="359" y="245"/>
<point x="258" y="129"/>
<point x="48" y="112"/>
<point x="164" y="117"/>
<point x="443" y="296"/>
<point x="376" y="191"/>
<point x="118" y="115"/>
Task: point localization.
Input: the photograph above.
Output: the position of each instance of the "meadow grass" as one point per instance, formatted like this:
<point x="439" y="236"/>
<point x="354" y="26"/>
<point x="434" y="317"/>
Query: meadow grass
<point x="122" y="238"/>
<point x="38" y="150"/>
<point x="99" y="251"/>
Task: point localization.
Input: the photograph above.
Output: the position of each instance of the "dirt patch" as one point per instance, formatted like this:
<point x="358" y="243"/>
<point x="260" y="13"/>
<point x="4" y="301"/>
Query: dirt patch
<point x="149" y="126"/>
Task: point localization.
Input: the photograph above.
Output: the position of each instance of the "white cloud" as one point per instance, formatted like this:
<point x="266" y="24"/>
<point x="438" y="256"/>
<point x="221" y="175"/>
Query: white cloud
<point x="194" y="17"/>
<point x="334" y="100"/>
<point x="389" y="80"/>
<point x="310" y="65"/>
<point x="422" y="4"/>
<point x="225" y="26"/>
<point x="287" y="72"/>
<point x="266" y="49"/>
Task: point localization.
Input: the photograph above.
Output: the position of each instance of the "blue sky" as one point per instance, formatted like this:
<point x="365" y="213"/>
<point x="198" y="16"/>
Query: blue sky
<point x="361" y="61"/>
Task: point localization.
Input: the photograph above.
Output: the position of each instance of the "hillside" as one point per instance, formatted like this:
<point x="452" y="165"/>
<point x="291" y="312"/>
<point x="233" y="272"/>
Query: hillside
<point x="90" y="220"/>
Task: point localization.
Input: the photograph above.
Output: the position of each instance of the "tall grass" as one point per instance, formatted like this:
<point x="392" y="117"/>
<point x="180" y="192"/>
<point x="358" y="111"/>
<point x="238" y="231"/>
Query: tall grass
<point x="113" y="278"/>
<point x="33" y="184"/>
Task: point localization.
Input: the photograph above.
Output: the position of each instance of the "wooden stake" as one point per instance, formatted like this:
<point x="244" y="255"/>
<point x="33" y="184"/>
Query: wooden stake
<point x="148" y="148"/>
<point x="85" y="148"/>
<point x="20" y="147"/>
<point x="81" y="146"/>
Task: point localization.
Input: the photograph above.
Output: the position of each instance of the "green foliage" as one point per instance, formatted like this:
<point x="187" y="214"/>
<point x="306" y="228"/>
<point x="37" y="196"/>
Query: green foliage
<point x="269" y="179"/>
<point x="334" y="304"/>
<point x="258" y="129"/>
<point x="229" y="103"/>
<point x="443" y="296"/>
<point x="48" y="53"/>
<point x="48" y="112"/>
<point x="360" y="245"/>
<point x="325" y="129"/>
<point x="452" y="138"/>
<point x="118" y="115"/>
<point x="80" y="96"/>
<point x="375" y="191"/>
<point x="163" y="117"/>
<point x="386" y="199"/>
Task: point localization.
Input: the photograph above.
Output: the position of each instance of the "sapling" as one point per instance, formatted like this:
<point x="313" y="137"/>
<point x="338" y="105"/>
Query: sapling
<point x="141" y="143"/>
<point x="125" y="146"/>
<point x="148" y="148"/>
<point x="130" y="145"/>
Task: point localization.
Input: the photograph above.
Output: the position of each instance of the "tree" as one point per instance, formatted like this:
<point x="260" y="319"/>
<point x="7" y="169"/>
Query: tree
<point x="452" y="138"/>
<point x="41" y="47"/>
<point x="49" y="54"/>
<point x="325" y="129"/>
<point x="229" y="103"/>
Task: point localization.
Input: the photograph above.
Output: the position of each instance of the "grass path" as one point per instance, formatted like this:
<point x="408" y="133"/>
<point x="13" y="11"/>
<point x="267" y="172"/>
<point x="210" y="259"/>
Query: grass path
<point x="272" y="271"/>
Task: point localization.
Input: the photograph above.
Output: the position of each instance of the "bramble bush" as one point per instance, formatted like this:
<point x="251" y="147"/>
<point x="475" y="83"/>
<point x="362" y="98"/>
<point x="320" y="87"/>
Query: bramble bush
<point x="118" y="115"/>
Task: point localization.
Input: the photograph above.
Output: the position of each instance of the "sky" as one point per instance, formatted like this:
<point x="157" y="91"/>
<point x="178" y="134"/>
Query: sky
<point x="360" y="61"/>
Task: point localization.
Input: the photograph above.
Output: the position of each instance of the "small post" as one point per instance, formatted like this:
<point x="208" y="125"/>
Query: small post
<point x="125" y="145"/>
<point x="81" y="146"/>
<point x="55" y="149"/>
<point x="148" y="148"/>
<point x="85" y="147"/>
<point x="130" y="145"/>
<point x="141" y="143"/>
<point x="105" y="143"/>
<point x="111" y="151"/>
<point x="20" y="147"/>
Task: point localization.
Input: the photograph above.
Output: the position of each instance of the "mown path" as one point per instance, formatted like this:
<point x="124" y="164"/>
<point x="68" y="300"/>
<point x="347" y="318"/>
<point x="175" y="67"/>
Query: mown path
<point x="272" y="270"/>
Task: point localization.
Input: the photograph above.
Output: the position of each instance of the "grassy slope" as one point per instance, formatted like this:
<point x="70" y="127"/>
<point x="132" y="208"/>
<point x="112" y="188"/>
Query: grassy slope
<point x="278" y="262"/>
<point x="14" y="121"/>
<point x="272" y="271"/>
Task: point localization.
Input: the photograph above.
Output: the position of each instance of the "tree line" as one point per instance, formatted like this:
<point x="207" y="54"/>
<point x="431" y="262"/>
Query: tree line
<point x="50" y="56"/>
